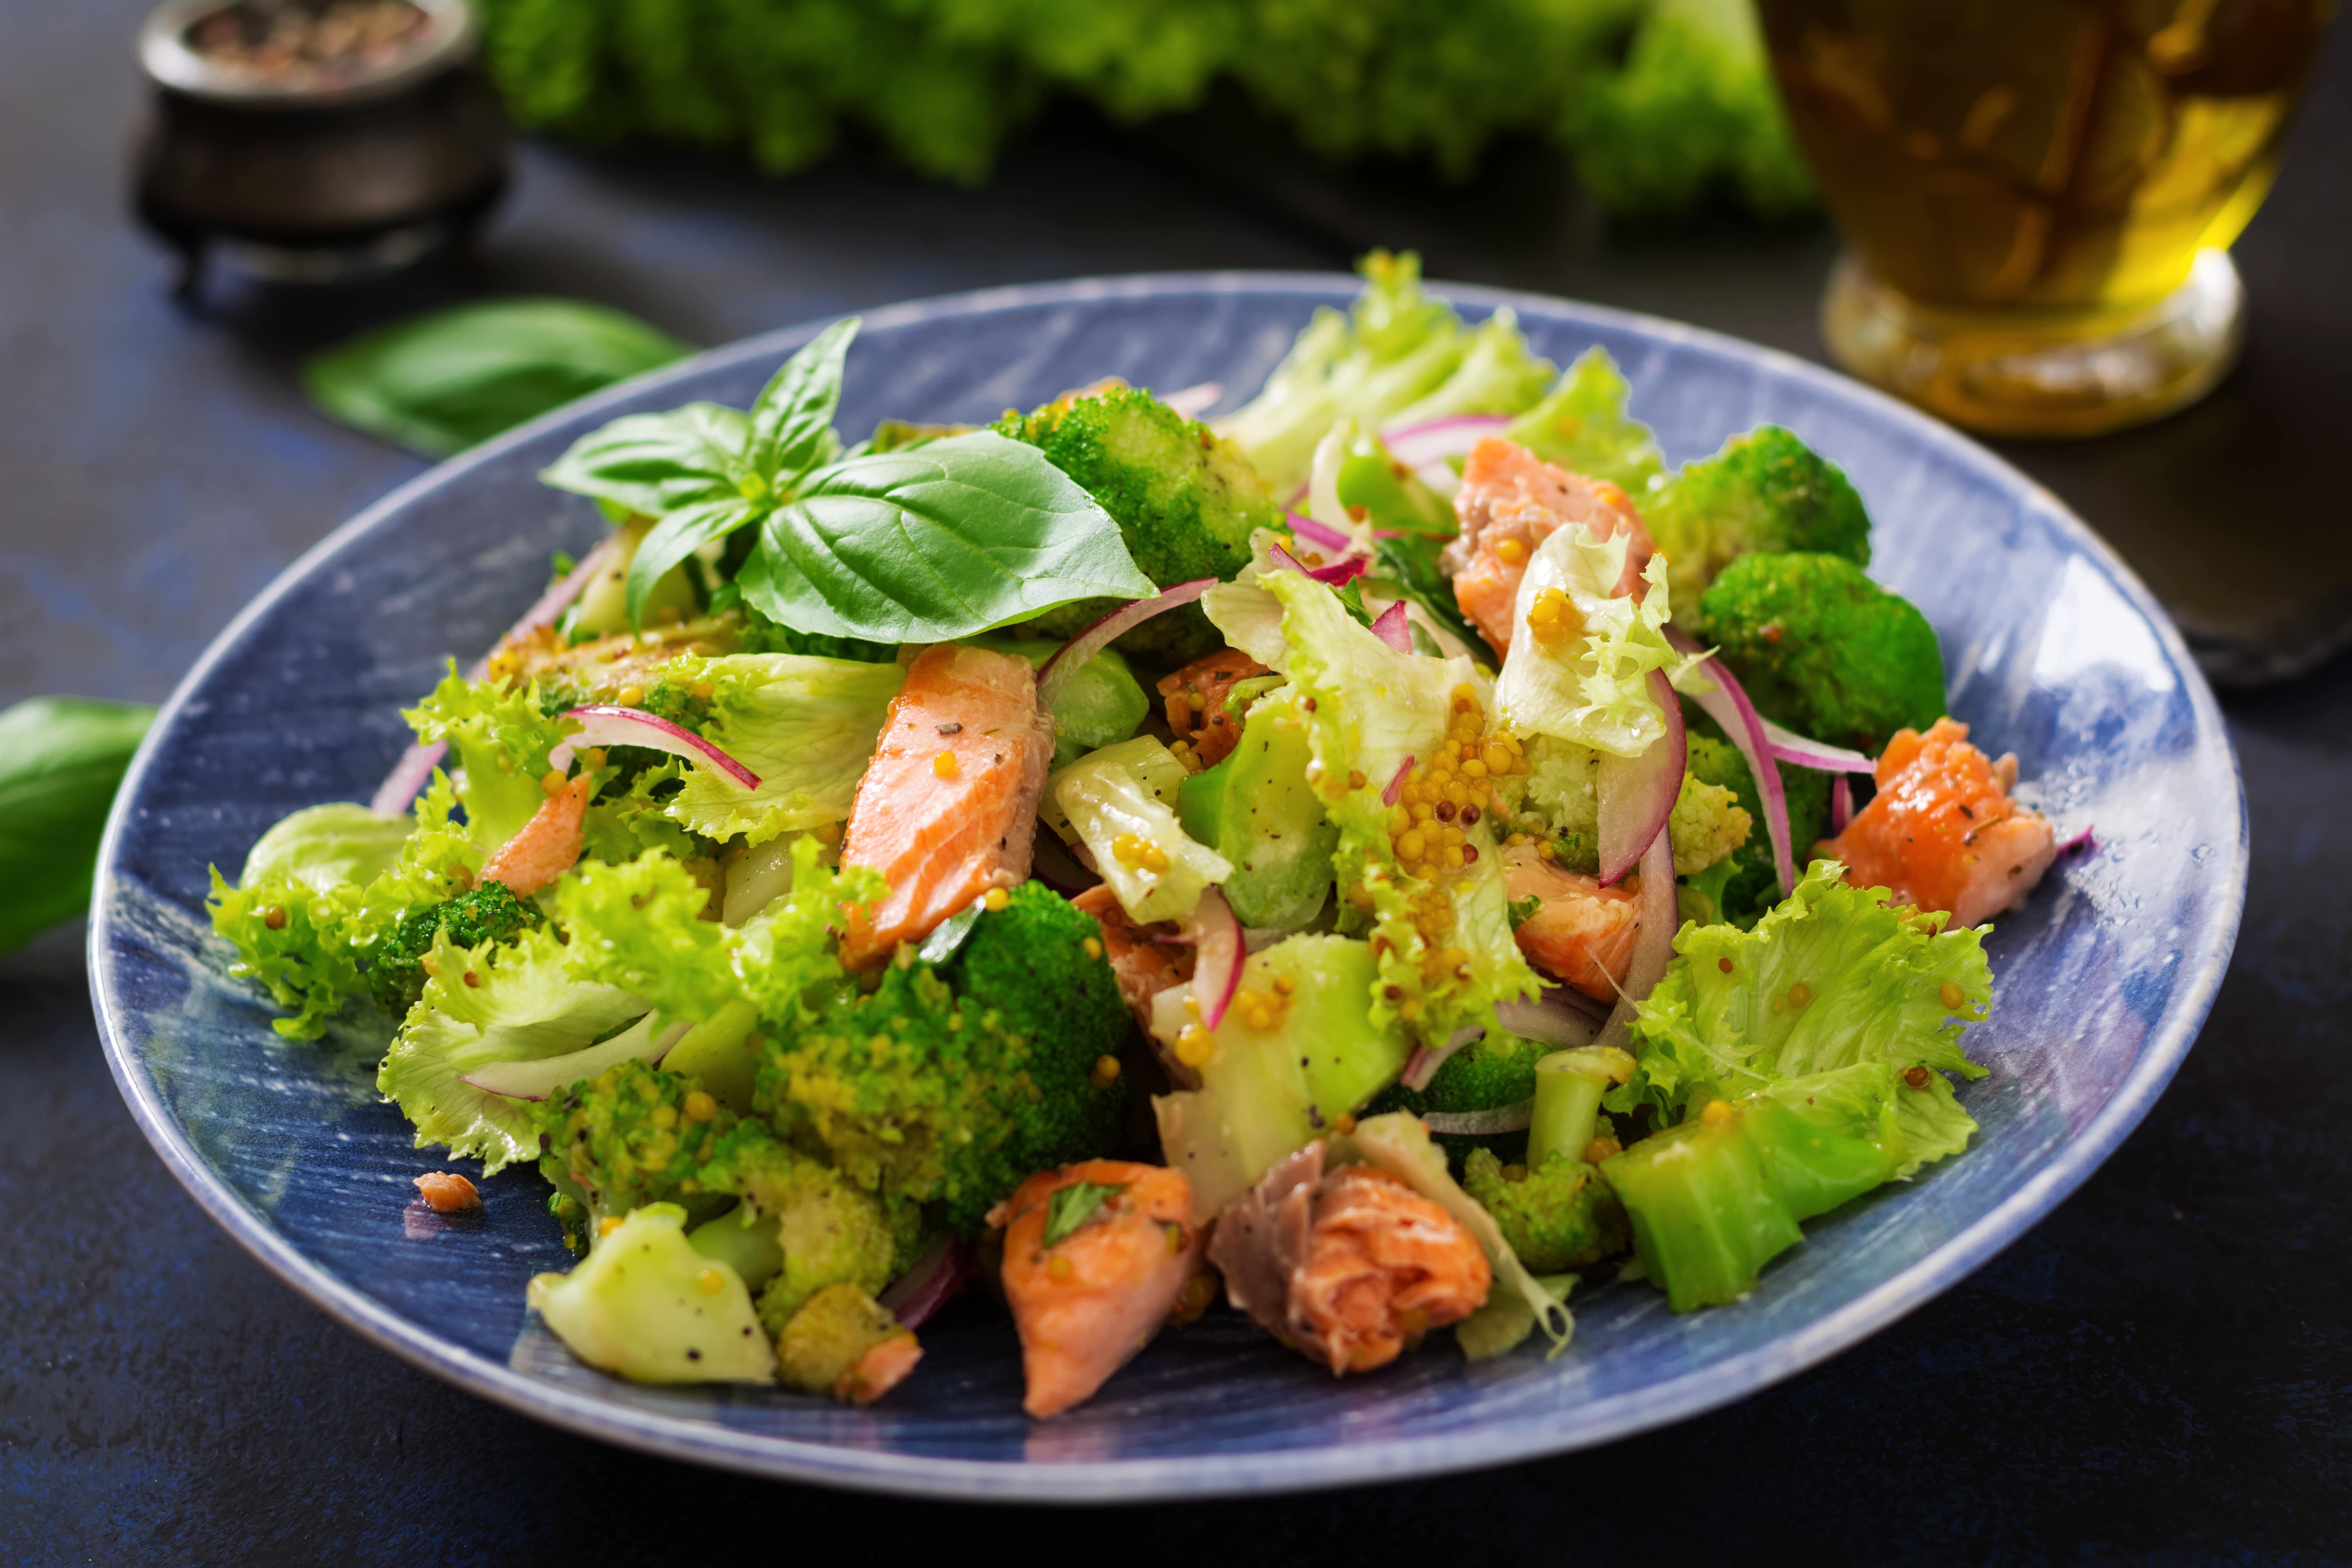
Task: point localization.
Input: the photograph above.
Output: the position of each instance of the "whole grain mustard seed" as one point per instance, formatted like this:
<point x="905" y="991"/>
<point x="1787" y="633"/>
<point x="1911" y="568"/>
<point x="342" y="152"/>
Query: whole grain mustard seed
<point x="995" y="899"/>
<point x="943" y="765"/>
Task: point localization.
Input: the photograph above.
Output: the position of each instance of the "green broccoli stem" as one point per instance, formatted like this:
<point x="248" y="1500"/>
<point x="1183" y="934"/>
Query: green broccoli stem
<point x="1568" y="1086"/>
<point x="1707" y="1214"/>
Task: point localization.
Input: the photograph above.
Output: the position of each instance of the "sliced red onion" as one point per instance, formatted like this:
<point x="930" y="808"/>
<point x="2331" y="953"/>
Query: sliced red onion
<point x="1792" y="747"/>
<point x="1396" y="784"/>
<point x="1415" y="445"/>
<point x="1638" y="794"/>
<point x="1564" y="1017"/>
<point x="1219" y="953"/>
<point x="1653" y="945"/>
<point x="1729" y="706"/>
<point x="1422" y="1064"/>
<point x="1333" y="575"/>
<point x="1393" y="627"/>
<point x="414" y="770"/>
<point x="2082" y="840"/>
<point x="1514" y="1118"/>
<point x="1317" y="534"/>
<point x="1072" y="655"/>
<point x="605" y="724"/>
<point x="538" y="1080"/>
<point x="1840" y="804"/>
<point x="932" y="1282"/>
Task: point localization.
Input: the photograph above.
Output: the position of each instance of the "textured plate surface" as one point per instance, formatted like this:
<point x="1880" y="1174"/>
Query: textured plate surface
<point x="2053" y="651"/>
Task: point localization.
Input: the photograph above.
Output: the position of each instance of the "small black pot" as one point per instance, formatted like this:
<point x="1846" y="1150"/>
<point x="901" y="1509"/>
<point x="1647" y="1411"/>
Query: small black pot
<point x="316" y="177"/>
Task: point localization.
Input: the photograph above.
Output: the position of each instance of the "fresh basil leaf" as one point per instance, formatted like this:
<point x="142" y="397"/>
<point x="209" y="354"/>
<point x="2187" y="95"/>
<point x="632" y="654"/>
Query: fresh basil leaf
<point x="60" y="760"/>
<point x="949" y="539"/>
<point x="441" y="382"/>
<point x="655" y="463"/>
<point x="947" y="939"/>
<point x="1067" y="1209"/>
<point x="678" y="535"/>
<point x="792" y="423"/>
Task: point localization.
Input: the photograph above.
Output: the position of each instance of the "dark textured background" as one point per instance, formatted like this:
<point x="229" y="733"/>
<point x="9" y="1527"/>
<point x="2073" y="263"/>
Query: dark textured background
<point x="2162" y="1371"/>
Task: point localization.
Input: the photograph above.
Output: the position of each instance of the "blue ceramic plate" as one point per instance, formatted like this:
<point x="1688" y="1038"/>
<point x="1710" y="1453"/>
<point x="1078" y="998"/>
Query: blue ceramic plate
<point x="2055" y="651"/>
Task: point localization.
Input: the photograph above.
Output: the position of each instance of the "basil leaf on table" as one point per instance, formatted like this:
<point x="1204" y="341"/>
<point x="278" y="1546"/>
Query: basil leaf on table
<point x="940" y="541"/>
<point x="441" y="382"/>
<point x="792" y="423"/>
<point x="61" y="759"/>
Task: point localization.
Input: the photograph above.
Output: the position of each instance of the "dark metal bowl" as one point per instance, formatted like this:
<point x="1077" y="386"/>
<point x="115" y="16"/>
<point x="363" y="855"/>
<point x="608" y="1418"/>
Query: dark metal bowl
<point x="317" y="175"/>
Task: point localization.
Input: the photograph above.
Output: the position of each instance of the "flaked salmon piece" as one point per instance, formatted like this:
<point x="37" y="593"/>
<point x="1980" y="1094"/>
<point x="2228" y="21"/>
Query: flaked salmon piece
<point x="1143" y="967"/>
<point x="1195" y="696"/>
<point x="546" y="847"/>
<point x="1581" y="933"/>
<point x="1942" y="832"/>
<point x="1511" y="502"/>
<point x="1088" y="1302"/>
<point x="948" y="808"/>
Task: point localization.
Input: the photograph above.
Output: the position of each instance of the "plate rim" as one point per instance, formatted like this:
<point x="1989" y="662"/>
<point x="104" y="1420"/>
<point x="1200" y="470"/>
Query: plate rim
<point x="1258" y="1472"/>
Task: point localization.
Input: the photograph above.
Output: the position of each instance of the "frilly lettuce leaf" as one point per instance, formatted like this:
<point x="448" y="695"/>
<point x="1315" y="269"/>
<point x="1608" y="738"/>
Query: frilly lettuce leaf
<point x="1591" y="687"/>
<point x="1580" y="425"/>
<point x="501" y="736"/>
<point x="805" y="725"/>
<point x="338" y="878"/>
<point x="1933" y="1122"/>
<point x="1498" y="374"/>
<point x="1831" y="977"/>
<point x="622" y="825"/>
<point x="1374" y="709"/>
<point x="523" y="1004"/>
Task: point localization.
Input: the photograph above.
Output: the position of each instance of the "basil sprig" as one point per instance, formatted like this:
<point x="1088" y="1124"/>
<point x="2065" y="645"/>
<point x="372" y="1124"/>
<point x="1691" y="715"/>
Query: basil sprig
<point x="926" y="544"/>
<point x="1069" y="1209"/>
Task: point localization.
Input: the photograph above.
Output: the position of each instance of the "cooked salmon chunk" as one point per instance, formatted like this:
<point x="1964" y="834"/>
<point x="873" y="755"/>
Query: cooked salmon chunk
<point x="1091" y="1276"/>
<point x="544" y="848"/>
<point x="1511" y="502"/>
<point x="1195" y="696"/>
<point x="948" y="808"/>
<point x="1347" y="1268"/>
<point x="1942" y="832"/>
<point x="1143" y="966"/>
<point x="1581" y="933"/>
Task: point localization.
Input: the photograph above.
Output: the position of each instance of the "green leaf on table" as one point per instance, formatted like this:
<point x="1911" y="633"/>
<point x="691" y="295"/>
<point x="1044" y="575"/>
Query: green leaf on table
<point x="792" y="423"/>
<point x="936" y="542"/>
<point x="61" y="759"/>
<point x="655" y="463"/>
<point x="441" y="382"/>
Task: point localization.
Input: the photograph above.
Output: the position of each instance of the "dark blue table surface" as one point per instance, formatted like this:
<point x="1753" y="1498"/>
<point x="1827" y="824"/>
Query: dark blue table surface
<point x="2162" y="1371"/>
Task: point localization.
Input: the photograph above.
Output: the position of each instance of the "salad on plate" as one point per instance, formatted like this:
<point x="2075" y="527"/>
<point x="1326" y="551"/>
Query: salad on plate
<point x="1389" y="857"/>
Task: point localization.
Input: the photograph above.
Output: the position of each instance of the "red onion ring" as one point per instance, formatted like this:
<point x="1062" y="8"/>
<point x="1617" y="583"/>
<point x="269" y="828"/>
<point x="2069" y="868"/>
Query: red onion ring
<point x="1653" y="946"/>
<point x="414" y="770"/>
<point x="1219" y="953"/>
<point x="1316" y="533"/>
<point x="1072" y="656"/>
<point x="607" y="724"/>
<point x="1416" y="444"/>
<point x="1840" y="804"/>
<point x="1638" y="794"/>
<point x="1564" y="1017"/>
<point x="1332" y="575"/>
<point x="1516" y="1117"/>
<point x="932" y="1282"/>
<point x="1396" y="784"/>
<point x="1790" y="747"/>
<point x="2082" y="840"/>
<point x="1729" y="706"/>
<point x="1392" y="627"/>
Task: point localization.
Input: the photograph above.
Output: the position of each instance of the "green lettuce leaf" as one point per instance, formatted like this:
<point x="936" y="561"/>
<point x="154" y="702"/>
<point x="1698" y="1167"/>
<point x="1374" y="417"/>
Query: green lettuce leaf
<point x="1932" y="1120"/>
<point x="1593" y="687"/>
<point x="805" y="725"/>
<point x="1498" y="374"/>
<point x="323" y="888"/>
<point x="1831" y="977"/>
<point x="501" y="736"/>
<point x="498" y="1003"/>
<point x="1374" y="709"/>
<point x="1129" y="790"/>
<point x="1580" y="425"/>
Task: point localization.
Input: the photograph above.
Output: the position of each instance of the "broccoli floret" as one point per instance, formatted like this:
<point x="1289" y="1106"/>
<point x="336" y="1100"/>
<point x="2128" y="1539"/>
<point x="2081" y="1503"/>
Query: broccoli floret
<point x="1185" y="501"/>
<point x="949" y="1085"/>
<point x="1707" y="825"/>
<point x="632" y="1136"/>
<point x="1496" y="1071"/>
<point x="1824" y="649"/>
<point x="1557" y="1216"/>
<point x="1764" y="491"/>
<point x="1753" y="887"/>
<point x="802" y="1225"/>
<point x="489" y="913"/>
